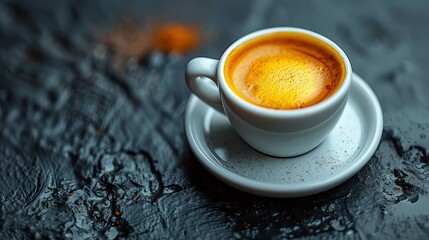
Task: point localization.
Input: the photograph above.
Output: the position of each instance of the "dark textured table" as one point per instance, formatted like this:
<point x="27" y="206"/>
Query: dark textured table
<point x="90" y="148"/>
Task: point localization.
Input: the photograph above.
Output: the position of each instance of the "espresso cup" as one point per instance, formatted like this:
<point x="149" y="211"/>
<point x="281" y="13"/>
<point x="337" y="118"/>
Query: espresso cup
<point x="282" y="89"/>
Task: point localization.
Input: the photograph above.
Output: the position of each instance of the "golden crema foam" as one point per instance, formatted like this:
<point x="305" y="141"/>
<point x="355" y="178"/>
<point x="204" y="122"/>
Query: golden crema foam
<point x="284" y="71"/>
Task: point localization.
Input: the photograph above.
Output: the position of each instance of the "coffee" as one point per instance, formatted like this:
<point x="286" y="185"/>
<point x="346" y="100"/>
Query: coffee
<point x="284" y="71"/>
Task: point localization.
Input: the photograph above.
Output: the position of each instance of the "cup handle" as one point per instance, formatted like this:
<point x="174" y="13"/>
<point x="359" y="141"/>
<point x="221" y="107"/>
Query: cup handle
<point x="202" y="81"/>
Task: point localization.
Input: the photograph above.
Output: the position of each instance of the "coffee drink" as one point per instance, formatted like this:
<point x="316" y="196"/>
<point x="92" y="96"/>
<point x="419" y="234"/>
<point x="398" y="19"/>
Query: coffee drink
<point x="283" y="89"/>
<point x="284" y="71"/>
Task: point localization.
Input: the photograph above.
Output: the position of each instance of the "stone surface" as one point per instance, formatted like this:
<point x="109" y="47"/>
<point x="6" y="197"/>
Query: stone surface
<point x="92" y="150"/>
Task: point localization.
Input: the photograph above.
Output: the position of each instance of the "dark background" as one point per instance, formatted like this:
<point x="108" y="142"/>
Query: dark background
<point x="90" y="149"/>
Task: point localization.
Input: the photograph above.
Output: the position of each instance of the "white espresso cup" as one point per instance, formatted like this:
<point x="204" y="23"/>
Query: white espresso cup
<point x="281" y="133"/>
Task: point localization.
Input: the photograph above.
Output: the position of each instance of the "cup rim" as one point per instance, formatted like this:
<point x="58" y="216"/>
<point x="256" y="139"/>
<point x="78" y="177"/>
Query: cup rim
<point x="281" y="113"/>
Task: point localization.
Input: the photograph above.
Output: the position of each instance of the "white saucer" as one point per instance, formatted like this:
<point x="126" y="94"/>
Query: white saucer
<point x="349" y="147"/>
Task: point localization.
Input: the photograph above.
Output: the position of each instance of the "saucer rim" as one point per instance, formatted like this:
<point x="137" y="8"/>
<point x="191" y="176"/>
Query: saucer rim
<point x="290" y="190"/>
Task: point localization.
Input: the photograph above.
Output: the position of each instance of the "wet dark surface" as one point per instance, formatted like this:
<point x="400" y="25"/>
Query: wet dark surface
<point x="91" y="149"/>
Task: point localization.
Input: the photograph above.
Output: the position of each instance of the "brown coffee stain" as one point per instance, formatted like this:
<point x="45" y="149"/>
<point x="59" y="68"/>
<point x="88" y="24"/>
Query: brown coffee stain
<point x="127" y="40"/>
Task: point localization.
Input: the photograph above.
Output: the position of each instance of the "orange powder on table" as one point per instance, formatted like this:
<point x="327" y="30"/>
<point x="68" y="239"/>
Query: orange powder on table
<point x="175" y="38"/>
<point x="130" y="40"/>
